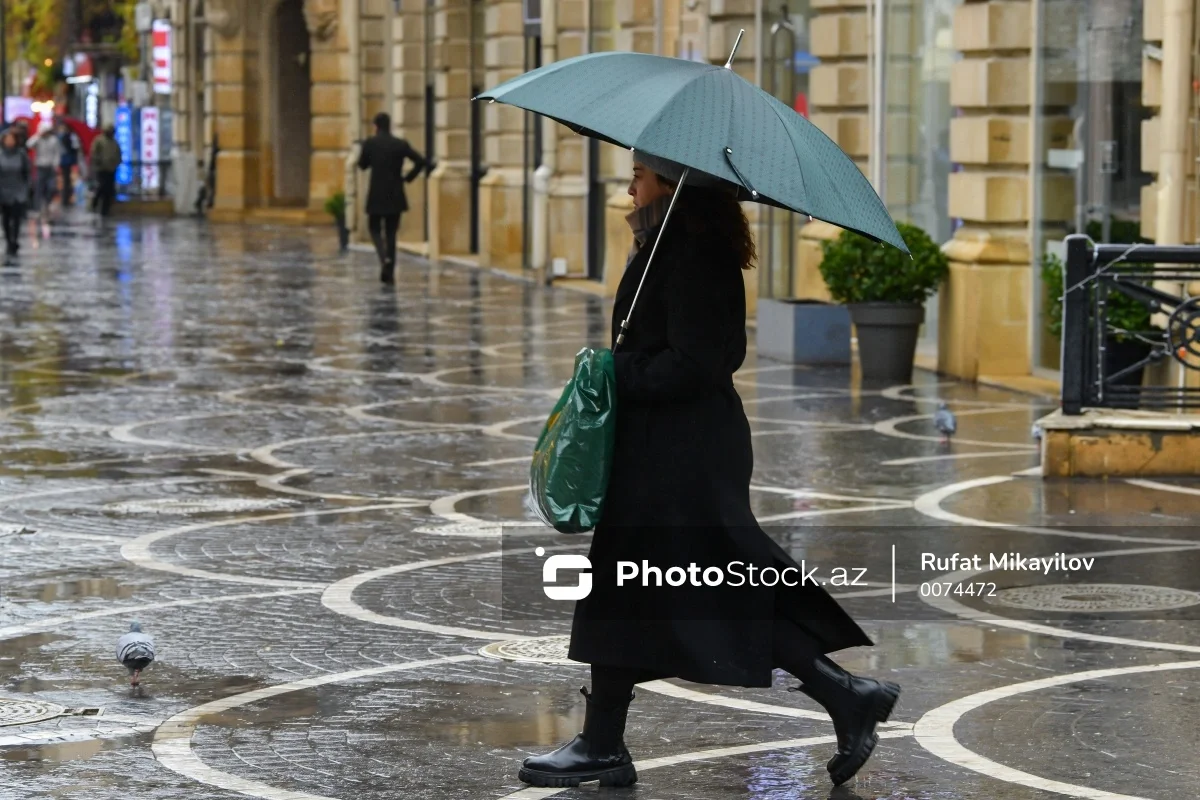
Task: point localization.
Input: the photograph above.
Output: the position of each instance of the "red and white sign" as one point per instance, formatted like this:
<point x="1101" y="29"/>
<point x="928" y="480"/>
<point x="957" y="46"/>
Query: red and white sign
<point x="161" y="53"/>
<point x="150" y="147"/>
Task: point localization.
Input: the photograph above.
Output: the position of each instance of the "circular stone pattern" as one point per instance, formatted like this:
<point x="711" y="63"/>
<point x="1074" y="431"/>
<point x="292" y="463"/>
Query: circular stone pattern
<point x="1095" y="597"/>
<point x="214" y="505"/>
<point x="23" y="712"/>
<point x="542" y="650"/>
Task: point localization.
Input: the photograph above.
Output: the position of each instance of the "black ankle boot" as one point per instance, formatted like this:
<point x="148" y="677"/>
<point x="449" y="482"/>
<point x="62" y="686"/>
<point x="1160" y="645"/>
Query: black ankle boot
<point x="598" y="753"/>
<point x="856" y="705"/>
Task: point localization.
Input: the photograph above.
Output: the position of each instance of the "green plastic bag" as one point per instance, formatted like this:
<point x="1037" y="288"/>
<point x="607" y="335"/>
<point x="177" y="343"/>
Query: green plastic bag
<point x="573" y="456"/>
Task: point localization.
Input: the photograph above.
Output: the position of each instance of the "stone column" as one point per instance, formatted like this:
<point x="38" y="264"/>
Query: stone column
<point x="409" y="37"/>
<point x="185" y="150"/>
<point x="567" y="201"/>
<point x="501" y="193"/>
<point x="984" y="321"/>
<point x="449" y="185"/>
<point x="839" y="96"/>
<point x="1152" y="21"/>
<point x="336" y="86"/>
<point x="234" y="89"/>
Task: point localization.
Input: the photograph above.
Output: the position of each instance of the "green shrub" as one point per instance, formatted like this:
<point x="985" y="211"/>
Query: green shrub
<point x="336" y="206"/>
<point x="858" y="270"/>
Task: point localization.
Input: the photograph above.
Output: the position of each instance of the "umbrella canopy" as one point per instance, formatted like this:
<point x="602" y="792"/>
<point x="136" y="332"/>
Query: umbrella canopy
<point x="707" y="119"/>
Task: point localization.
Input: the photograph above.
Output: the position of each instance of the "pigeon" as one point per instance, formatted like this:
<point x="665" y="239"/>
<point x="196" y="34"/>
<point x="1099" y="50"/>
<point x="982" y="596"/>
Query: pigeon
<point x="135" y="650"/>
<point x="945" y="422"/>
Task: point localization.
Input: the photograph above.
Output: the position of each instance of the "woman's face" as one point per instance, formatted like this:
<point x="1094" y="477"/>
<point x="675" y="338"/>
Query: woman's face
<point x="645" y="187"/>
<point x="9" y="140"/>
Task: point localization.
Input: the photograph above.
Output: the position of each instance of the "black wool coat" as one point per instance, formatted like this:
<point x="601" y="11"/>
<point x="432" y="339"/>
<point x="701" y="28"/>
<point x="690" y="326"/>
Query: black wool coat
<point x="679" y="491"/>
<point x="384" y="155"/>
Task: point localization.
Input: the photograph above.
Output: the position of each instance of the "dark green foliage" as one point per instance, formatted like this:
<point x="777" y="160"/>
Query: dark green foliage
<point x="335" y="206"/>
<point x="858" y="270"/>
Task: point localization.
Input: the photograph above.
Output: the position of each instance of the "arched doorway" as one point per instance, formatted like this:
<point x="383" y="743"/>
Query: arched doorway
<point x="291" y="131"/>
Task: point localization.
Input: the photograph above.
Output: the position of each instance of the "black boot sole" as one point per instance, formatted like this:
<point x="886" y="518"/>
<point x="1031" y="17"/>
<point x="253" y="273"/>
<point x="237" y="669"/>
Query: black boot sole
<point x="616" y="776"/>
<point x="881" y="710"/>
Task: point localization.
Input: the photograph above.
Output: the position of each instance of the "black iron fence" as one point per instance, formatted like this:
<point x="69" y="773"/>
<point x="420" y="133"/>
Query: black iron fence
<point x="1103" y="358"/>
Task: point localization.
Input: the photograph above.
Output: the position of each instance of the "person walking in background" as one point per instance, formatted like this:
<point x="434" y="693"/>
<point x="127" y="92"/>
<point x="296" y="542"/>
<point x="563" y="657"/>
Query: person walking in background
<point x="70" y="157"/>
<point x="47" y="149"/>
<point x="384" y="154"/>
<point x="106" y="157"/>
<point x="15" y="172"/>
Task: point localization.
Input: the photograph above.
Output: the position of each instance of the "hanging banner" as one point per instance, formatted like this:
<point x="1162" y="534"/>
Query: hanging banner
<point x="149" y="147"/>
<point x="161" y="53"/>
<point x="124" y="131"/>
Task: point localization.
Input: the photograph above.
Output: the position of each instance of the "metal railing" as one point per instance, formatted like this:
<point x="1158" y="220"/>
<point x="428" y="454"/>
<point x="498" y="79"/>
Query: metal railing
<point x="1094" y="274"/>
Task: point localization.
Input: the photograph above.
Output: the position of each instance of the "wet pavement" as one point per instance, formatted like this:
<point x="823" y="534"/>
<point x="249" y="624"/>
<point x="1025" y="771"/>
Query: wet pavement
<point x="310" y="490"/>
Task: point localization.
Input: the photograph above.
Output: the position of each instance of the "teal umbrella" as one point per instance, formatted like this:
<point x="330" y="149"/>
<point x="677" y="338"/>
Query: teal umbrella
<point x="718" y="127"/>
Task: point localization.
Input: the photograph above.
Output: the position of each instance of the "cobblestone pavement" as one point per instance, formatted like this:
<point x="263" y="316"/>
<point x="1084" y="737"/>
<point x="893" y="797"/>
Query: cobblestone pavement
<point x="308" y="488"/>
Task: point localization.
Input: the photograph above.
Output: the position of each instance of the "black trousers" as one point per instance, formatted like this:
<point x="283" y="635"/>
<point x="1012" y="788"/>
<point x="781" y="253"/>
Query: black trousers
<point x="792" y="650"/>
<point x="68" y="190"/>
<point x="106" y="192"/>
<point x="383" y="229"/>
<point x="13" y="214"/>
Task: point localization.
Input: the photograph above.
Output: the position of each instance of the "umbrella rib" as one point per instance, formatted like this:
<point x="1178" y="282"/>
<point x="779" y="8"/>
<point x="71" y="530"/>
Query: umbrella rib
<point x="795" y="152"/>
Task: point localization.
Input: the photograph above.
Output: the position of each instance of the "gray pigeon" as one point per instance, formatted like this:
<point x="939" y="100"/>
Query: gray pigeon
<point x="135" y="650"/>
<point x="945" y="421"/>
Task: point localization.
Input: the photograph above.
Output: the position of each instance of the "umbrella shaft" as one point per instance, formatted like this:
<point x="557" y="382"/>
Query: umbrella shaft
<point x="653" y="250"/>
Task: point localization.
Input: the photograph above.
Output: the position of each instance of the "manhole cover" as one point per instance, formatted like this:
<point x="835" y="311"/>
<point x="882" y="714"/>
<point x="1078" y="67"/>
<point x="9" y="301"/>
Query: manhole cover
<point x="1095" y="597"/>
<point x="542" y="650"/>
<point x="23" y="712"/>
<point x="214" y="505"/>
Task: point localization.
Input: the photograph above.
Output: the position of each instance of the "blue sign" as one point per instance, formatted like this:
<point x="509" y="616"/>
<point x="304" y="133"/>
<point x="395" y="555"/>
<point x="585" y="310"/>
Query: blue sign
<point x="124" y="126"/>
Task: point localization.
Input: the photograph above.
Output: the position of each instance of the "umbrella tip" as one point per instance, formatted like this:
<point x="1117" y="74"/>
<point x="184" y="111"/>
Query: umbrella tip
<point x="738" y="41"/>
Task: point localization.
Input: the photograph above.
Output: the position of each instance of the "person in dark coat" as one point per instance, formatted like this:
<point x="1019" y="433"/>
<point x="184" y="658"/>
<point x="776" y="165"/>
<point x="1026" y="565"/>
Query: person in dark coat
<point x="679" y="494"/>
<point x="15" y="172"/>
<point x="385" y="154"/>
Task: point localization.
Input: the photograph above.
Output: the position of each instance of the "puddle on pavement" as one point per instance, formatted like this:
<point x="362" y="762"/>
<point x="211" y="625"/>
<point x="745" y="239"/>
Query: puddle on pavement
<point x="59" y="752"/>
<point x="107" y="588"/>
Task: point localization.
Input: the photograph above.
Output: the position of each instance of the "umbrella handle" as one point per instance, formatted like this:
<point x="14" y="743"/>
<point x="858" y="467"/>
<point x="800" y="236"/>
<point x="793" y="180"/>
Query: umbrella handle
<point x="653" y="250"/>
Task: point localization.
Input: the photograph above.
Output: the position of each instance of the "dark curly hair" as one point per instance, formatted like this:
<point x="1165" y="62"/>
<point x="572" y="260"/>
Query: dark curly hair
<point x="714" y="219"/>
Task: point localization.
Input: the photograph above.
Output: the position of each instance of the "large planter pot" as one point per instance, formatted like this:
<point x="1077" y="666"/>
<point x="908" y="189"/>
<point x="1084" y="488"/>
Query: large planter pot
<point x="1119" y="355"/>
<point x="887" y="339"/>
<point x="803" y="331"/>
<point x="343" y="234"/>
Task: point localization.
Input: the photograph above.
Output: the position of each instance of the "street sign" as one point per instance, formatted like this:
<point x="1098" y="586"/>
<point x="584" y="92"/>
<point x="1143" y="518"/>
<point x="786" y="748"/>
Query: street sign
<point x="124" y="133"/>
<point x="150" y="134"/>
<point x="161" y="53"/>
<point x="143" y="17"/>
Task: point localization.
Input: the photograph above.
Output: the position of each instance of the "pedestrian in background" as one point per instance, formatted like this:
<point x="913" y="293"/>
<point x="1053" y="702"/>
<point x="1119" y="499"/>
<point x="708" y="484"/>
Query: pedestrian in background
<point x="385" y="154"/>
<point x="106" y="157"/>
<point x="70" y="157"/>
<point x="679" y="495"/>
<point x="15" y="170"/>
<point x="47" y="149"/>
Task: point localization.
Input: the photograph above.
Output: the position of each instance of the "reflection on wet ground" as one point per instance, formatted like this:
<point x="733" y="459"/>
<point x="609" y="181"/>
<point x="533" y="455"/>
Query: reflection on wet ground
<point x="310" y="490"/>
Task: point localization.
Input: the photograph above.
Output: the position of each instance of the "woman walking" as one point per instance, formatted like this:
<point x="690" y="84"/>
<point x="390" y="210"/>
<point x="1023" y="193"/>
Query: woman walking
<point x="679" y="494"/>
<point x="15" y="170"/>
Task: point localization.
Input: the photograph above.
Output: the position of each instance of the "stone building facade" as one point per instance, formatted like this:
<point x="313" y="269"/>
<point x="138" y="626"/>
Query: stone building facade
<point x="983" y="107"/>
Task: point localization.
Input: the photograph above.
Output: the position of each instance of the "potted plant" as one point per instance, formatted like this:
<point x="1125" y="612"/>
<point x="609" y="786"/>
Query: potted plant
<point x="335" y="206"/>
<point x="1121" y="350"/>
<point x="885" y="291"/>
